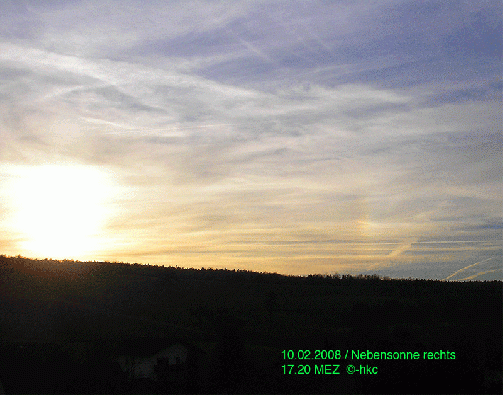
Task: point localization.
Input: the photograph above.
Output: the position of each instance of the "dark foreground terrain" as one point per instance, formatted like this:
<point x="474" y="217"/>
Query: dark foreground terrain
<point x="64" y="325"/>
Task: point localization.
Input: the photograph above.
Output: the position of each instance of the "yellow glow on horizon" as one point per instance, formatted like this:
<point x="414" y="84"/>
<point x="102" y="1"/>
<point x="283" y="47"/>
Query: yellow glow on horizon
<point x="58" y="211"/>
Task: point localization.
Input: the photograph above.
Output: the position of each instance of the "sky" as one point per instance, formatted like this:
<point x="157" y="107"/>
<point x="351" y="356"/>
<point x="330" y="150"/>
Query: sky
<point x="297" y="137"/>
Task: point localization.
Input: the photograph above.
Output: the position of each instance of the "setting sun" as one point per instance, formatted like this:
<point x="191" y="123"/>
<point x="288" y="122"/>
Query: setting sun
<point x="58" y="211"/>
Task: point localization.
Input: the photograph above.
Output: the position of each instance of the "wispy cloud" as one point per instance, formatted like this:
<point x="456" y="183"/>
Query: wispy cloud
<point x="259" y="131"/>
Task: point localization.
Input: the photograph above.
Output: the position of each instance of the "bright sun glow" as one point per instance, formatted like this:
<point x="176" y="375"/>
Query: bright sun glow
<point x="58" y="211"/>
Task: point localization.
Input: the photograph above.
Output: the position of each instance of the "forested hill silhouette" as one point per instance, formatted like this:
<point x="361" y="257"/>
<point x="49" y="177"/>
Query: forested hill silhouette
<point x="74" y="317"/>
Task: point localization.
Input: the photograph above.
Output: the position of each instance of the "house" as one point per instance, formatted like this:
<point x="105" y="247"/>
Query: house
<point x="160" y="360"/>
<point x="142" y="365"/>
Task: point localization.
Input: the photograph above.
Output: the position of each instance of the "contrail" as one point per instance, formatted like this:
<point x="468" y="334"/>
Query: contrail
<point x="257" y="51"/>
<point x="402" y="247"/>
<point x="449" y="242"/>
<point x="479" y="274"/>
<point x="467" y="267"/>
